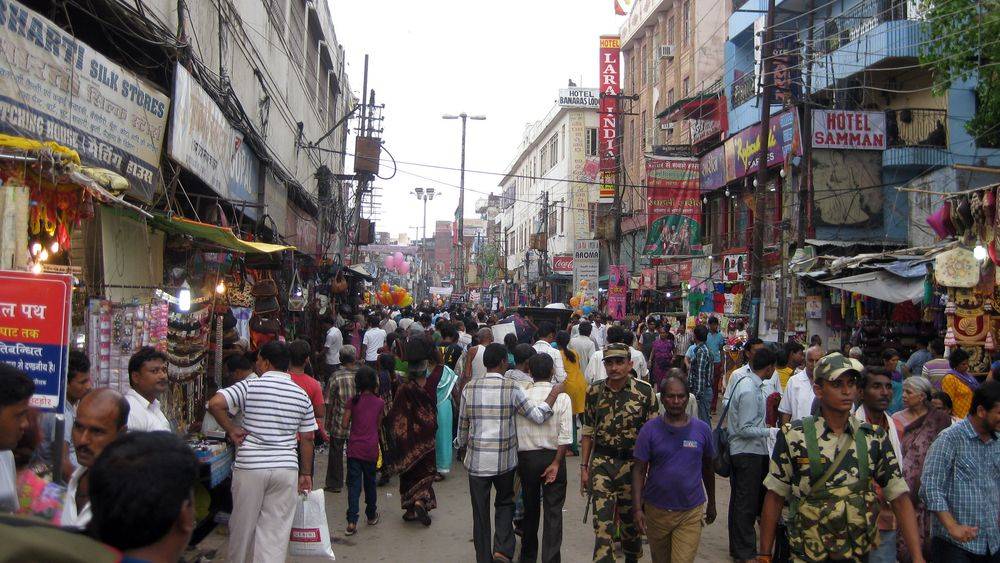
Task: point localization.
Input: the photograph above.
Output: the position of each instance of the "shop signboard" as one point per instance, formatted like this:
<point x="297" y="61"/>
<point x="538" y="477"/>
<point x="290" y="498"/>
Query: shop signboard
<point x="562" y="263"/>
<point x="713" y="169"/>
<point x="743" y="148"/>
<point x="203" y="141"/>
<point x="586" y="268"/>
<point x="853" y="130"/>
<point x="607" y="119"/>
<point x="587" y="98"/>
<point x="673" y="208"/>
<point x="35" y="332"/>
<point x="617" y="291"/>
<point x="439" y="291"/>
<point x="54" y="87"/>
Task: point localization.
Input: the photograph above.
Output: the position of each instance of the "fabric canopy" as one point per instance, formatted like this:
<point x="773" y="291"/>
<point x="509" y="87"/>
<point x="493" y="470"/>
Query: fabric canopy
<point x="221" y="236"/>
<point x="881" y="285"/>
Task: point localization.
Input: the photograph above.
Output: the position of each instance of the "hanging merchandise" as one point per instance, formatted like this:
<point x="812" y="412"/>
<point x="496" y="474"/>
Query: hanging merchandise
<point x="116" y="331"/>
<point x="296" y="294"/>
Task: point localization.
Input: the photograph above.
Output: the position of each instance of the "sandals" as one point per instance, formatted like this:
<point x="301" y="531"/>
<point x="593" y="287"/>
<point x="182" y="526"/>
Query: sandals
<point x="409" y="517"/>
<point x="422" y="515"/>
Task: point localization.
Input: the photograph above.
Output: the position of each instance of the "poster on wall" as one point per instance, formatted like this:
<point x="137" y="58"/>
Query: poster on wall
<point x="54" y="87"/>
<point x="34" y="332"/>
<point x="673" y="208"/>
<point x="618" y="278"/>
<point x="586" y="268"/>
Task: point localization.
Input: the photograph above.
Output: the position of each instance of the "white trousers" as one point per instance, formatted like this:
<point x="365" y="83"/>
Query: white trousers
<point x="263" y="510"/>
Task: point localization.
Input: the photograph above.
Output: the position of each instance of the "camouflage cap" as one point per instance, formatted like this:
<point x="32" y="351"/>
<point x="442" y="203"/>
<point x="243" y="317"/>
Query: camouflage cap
<point x="617" y="350"/>
<point x="832" y="366"/>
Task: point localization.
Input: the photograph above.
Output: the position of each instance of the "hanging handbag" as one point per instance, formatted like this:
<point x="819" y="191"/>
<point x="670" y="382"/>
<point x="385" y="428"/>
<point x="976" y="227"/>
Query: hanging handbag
<point x="296" y="294"/>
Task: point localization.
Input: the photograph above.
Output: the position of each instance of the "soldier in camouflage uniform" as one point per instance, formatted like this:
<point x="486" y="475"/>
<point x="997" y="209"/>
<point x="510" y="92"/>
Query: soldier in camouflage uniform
<point x="832" y="506"/>
<point x="614" y="411"/>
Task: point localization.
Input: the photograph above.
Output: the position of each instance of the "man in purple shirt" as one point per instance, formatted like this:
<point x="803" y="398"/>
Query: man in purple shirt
<point x="669" y="502"/>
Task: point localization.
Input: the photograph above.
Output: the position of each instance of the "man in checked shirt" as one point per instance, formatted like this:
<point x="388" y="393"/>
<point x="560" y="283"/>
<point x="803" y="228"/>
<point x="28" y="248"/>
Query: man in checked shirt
<point x="486" y="427"/>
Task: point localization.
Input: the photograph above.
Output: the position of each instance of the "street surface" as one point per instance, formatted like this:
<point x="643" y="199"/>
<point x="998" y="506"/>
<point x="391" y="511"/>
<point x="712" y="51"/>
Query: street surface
<point x="449" y="538"/>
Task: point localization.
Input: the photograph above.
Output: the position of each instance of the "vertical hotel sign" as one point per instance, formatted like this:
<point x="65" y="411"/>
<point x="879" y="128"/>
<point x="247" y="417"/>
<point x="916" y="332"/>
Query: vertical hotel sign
<point x="34" y="332"/>
<point x="611" y="86"/>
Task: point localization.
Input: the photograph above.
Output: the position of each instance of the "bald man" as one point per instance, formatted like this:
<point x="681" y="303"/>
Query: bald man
<point x="101" y="417"/>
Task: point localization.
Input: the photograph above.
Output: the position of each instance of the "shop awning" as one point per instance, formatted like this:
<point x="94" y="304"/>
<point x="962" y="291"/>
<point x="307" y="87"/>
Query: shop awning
<point x="692" y="107"/>
<point x="881" y="285"/>
<point x="221" y="236"/>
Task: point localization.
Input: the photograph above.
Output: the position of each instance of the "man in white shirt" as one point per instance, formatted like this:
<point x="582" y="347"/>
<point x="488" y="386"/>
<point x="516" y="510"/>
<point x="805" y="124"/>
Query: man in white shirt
<point x="595" y="366"/>
<point x="78" y="384"/>
<point x="388" y="325"/>
<point x="541" y="450"/>
<point x="372" y="342"/>
<point x="797" y="400"/>
<point x="332" y="344"/>
<point x="274" y="455"/>
<point x="16" y="390"/>
<point x="100" y="418"/>
<point x="600" y="332"/>
<point x="583" y="345"/>
<point x="546" y="334"/>
<point x="147" y="374"/>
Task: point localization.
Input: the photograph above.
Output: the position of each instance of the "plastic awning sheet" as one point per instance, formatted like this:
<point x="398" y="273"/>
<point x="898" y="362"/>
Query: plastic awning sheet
<point x="881" y="285"/>
<point x="221" y="236"/>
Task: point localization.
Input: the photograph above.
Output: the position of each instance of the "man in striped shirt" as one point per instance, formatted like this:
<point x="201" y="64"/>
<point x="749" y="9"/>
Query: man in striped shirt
<point x="268" y="472"/>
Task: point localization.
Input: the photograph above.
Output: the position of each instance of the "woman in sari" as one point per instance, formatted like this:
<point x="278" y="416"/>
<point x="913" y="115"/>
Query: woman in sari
<point x="921" y="425"/>
<point x="388" y="383"/>
<point x="959" y="384"/>
<point x="413" y="419"/>
<point x="661" y="357"/>
<point x="440" y="382"/>
<point x="576" y="385"/>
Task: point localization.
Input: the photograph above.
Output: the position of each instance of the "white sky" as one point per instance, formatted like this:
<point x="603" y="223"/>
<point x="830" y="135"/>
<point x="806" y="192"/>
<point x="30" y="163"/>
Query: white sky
<point x="505" y="60"/>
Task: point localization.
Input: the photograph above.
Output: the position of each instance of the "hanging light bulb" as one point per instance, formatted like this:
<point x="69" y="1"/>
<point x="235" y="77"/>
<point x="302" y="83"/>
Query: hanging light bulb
<point x="727" y="192"/>
<point x="55" y="247"/>
<point x="36" y="268"/>
<point x="220" y="288"/>
<point x="36" y="247"/>
<point x="184" y="298"/>
<point x="980" y="252"/>
<point x="43" y="255"/>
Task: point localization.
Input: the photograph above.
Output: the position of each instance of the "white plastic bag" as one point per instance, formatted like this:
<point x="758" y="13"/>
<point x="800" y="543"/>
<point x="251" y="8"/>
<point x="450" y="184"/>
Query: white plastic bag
<point x="310" y="535"/>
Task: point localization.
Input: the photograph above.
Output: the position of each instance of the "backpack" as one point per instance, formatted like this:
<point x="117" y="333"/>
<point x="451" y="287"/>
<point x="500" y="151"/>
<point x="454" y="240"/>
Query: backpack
<point x="840" y="520"/>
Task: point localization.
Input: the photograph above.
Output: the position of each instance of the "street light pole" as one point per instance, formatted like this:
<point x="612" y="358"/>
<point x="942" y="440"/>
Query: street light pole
<point x="425" y="195"/>
<point x="460" y="286"/>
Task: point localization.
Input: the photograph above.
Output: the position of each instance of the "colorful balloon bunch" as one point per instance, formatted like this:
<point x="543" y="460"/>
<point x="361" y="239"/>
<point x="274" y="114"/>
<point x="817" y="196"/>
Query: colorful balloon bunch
<point x="393" y="296"/>
<point x="581" y="304"/>
<point x="397" y="263"/>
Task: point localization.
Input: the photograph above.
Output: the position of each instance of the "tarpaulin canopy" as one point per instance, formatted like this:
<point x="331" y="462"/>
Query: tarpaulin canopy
<point x="221" y="236"/>
<point x="881" y="285"/>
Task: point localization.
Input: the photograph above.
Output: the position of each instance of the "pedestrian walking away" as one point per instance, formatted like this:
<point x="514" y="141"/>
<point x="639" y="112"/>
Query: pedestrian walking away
<point x="362" y="418"/>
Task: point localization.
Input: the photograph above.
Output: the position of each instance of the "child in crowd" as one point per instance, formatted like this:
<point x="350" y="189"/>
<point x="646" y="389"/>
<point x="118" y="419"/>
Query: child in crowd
<point x="363" y="417"/>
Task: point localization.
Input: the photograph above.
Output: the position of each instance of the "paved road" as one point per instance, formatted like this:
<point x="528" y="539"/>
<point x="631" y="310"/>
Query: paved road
<point x="449" y="538"/>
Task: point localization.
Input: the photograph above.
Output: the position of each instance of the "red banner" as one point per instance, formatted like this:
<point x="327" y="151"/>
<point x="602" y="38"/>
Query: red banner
<point x="610" y="76"/>
<point x="673" y="218"/>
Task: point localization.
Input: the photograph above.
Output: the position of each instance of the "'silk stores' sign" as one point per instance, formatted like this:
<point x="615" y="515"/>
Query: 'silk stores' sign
<point x="855" y="130"/>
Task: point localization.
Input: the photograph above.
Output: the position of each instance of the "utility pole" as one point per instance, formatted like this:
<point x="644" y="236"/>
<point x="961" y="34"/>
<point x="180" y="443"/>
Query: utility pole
<point x="806" y="179"/>
<point x="760" y="184"/>
<point x="362" y="179"/>
<point x="460" y="263"/>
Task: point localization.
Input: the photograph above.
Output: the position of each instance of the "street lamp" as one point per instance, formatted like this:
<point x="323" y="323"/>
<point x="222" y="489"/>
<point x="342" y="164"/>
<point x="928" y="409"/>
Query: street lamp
<point x="425" y="195"/>
<point x="461" y="199"/>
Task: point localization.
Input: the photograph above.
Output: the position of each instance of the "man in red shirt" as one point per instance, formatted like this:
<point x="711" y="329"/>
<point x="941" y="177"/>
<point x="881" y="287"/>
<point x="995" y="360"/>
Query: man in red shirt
<point x="299" y="352"/>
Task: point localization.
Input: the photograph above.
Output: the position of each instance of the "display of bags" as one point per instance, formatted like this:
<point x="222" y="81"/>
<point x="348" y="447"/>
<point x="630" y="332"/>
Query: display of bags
<point x="310" y="535"/>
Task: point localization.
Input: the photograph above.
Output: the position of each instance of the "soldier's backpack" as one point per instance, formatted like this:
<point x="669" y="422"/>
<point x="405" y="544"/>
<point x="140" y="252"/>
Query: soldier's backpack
<point x="837" y="520"/>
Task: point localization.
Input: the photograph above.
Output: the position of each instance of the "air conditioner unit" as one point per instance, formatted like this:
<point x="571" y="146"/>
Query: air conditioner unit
<point x="666" y="51"/>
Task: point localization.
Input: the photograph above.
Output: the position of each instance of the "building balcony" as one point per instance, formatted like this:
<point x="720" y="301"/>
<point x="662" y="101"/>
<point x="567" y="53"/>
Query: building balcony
<point x="916" y="138"/>
<point x="865" y="36"/>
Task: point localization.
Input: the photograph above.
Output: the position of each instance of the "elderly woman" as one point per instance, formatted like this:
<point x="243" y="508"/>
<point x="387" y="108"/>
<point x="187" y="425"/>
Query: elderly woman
<point x="921" y="425"/>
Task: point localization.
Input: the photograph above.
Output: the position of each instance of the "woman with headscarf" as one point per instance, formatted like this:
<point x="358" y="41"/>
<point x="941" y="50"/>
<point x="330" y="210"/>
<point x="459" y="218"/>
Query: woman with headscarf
<point x="661" y="356"/>
<point x="921" y="425"/>
<point x="959" y="384"/>
<point x="440" y="382"/>
<point x="413" y="419"/>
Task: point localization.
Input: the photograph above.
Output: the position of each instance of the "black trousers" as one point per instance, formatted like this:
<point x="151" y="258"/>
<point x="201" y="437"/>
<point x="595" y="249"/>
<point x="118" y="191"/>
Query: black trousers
<point x="944" y="550"/>
<point x="541" y="500"/>
<point x="335" y="466"/>
<point x="745" y="502"/>
<point x="503" y="520"/>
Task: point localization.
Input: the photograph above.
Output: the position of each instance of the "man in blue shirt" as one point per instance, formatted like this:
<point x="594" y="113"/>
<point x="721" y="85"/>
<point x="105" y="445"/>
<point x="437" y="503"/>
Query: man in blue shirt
<point x="700" y="374"/>
<point x="715" y="341"/>
<point x="961" y="483"/>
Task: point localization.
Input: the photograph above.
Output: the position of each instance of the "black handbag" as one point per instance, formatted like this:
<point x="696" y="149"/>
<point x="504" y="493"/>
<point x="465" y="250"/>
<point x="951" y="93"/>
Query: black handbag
<point x="720" y="439"/>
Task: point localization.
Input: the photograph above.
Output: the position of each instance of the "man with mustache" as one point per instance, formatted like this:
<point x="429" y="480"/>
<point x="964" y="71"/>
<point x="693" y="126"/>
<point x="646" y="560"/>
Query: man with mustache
<point x="100" y="418"/>
<point x="147" y="376"/>
<point x="16" y="390"/>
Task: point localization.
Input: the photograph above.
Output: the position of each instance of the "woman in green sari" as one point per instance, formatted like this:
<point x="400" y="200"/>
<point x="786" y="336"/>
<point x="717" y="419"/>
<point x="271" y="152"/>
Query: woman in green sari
<point x="440" y="381"/>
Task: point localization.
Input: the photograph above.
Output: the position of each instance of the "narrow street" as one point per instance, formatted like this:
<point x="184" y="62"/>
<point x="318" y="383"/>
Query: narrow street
<point x="449" y="538"/>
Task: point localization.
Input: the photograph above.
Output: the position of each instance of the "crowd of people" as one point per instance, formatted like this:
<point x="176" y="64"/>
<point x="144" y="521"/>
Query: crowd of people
<point x="827" y="459"/>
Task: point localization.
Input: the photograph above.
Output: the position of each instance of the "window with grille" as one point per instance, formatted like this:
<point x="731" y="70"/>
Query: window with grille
<point x="592" y="217"/>
<point x="687" y="21"/>
<point x="687" y="86"/>
<point x="553" y="152"/>
<point x="297" y="31"/>
<point x="591" y="140"/>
